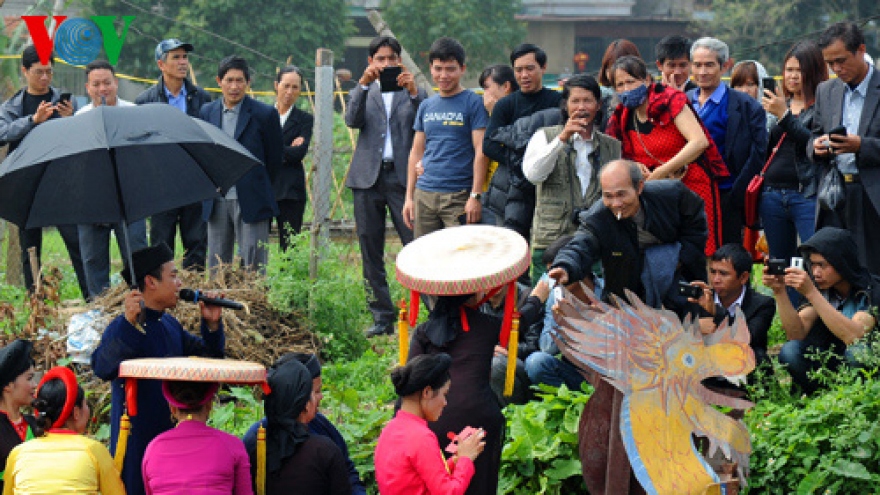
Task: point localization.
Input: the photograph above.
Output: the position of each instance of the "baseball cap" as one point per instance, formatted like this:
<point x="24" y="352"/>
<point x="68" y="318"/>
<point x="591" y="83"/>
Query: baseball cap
<point x="166" y="46"/>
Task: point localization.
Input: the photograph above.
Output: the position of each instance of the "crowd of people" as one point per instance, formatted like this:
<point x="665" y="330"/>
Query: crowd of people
<point x="634" y="183"/>
<point x="278" y="136"/>
<point x="629" y="182"/>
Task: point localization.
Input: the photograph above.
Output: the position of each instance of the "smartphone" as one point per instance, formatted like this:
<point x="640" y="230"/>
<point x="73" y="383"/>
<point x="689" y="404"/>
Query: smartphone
<point x="838" y="131"/>
<point x="388" y="79"/>
<point x="689" y="290"/>
<point x="65" y="97"/>
<point x="777" y="266"/>
<point x="769" y="83"/>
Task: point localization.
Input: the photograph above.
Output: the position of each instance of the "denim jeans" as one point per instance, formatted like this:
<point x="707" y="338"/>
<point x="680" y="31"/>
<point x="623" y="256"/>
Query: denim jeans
<point x="787" y="215"/>
<point x="521" y="391"/>
<point x="795" y="355"/>
<point x="545" y="368"/>
<point x="94" y="241"/>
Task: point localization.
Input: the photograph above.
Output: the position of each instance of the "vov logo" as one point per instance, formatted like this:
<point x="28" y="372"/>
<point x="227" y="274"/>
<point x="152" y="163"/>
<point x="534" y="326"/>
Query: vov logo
<point x="77" y="41"/>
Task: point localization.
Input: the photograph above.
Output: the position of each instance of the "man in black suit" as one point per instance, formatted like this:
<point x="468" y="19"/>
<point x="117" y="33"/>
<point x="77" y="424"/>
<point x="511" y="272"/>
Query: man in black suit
<point x="730" y="269"/>
<point x="244" y="215"/>
<point x="377" y="176"/>
<point x="289" y="182"/>
<point x="852" y="99"/>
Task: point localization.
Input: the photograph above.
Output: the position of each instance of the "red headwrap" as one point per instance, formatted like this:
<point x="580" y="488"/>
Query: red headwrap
<point x="69" y="379"/>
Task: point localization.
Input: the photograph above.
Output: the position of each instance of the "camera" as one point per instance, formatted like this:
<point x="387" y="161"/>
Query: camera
<point x="776" y="266"/>
<point x="388" y="79"/>
<point x="689" y="290"/>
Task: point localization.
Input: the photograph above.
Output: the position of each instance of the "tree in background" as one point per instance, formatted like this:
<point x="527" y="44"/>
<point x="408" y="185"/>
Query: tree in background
<point x="764" y="31"/>
<point x="486" y="28"/>
<point x="264" y="32"/>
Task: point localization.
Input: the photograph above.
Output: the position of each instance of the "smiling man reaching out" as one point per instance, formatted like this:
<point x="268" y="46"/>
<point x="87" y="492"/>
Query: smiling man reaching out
<point x="640" y="232"/>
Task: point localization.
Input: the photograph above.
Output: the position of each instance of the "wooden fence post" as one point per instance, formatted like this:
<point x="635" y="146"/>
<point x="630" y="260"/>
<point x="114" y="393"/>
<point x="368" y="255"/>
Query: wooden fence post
<point x="322" y="157"/>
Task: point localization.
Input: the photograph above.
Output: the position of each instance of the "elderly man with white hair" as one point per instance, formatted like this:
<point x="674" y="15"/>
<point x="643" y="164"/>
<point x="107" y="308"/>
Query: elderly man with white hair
<point x="737" y="124"/>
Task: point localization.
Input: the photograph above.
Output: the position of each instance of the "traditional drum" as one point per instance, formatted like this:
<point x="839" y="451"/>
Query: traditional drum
<point x="190" y="369"/>
<point x="194" y="369"/>
<point x="464" y="260"/>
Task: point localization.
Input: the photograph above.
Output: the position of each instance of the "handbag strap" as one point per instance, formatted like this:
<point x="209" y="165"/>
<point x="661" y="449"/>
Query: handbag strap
<point x="769" y="160"/>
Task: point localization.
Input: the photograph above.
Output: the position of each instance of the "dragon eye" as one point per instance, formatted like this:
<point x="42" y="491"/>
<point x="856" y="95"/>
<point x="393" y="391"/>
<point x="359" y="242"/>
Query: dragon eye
<point x="688" y="360"/>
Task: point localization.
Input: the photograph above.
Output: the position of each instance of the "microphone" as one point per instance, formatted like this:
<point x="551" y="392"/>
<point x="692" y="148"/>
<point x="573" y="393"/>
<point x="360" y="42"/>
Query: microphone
<point x="195" y="296"/>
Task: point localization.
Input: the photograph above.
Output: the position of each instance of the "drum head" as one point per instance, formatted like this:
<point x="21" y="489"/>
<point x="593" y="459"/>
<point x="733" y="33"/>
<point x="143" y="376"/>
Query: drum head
<point x="462" y="260"/>
<point x="194" y="369"/>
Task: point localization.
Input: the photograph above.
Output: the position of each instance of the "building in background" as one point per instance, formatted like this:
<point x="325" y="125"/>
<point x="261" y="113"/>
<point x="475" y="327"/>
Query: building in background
<point x="574" y="33"/>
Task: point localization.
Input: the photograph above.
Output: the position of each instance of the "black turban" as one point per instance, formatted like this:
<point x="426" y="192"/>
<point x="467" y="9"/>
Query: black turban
<point x="15" y="359"/>
<point x="146" y="260"/>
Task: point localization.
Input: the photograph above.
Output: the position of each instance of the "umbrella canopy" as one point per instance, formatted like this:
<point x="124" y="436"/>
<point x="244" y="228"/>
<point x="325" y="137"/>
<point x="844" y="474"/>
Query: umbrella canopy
<point x="117" y="164"/>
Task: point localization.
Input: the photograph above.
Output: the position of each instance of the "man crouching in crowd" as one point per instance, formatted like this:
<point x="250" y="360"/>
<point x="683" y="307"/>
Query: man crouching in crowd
<point x="840" y="303"/>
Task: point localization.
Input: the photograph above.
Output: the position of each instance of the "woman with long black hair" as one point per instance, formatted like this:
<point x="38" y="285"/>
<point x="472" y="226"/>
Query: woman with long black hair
<point x="788" y="199"/>
<point x="408" y="456"/>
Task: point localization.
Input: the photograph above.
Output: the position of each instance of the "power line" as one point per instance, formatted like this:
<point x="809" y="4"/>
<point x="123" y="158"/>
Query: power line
<point x="203" y="31"/>
<point x="209" y="33"/>
<point x="196" y="55"/>
<point x="862" y="22"/>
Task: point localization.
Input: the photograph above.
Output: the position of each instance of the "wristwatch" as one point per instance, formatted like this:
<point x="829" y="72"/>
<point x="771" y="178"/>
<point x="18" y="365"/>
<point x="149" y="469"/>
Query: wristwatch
<point x="476" y="195"/>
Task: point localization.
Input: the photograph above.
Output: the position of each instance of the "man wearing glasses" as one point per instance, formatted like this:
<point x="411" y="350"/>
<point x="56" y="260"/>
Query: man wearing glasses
<point x="32" y="105"/>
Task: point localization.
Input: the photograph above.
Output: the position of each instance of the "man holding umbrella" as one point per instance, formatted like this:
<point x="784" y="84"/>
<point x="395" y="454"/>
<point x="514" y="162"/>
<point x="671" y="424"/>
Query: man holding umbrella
<point x="34" y="104"/>
<point x="145" y="330"/>
<point x="94" y="238"/>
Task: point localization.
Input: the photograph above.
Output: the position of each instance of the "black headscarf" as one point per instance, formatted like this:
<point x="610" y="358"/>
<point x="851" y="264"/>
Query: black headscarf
<point x="15" y="359"/>
<point x="311" y="362"/>
<point x="291" y="384"/>
<point x="839" y="249"/>
<point x="444" y="322"/>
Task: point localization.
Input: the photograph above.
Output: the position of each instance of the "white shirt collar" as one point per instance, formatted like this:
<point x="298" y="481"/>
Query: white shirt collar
<point x="731" y="310"/>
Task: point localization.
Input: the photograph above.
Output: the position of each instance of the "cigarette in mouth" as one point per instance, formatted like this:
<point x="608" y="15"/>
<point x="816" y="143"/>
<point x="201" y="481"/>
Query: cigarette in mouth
<point x="618" y="215"/>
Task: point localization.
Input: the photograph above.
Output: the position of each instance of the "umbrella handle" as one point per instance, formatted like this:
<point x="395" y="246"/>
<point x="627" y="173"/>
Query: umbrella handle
<point x="142" y="316"/>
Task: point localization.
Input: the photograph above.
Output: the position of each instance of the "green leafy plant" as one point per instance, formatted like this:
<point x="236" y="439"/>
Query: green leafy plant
<point x="825" y="443"/>
<point x="11" y="323"/>
<point x="334" y="303"/>
<point x="359" y="400"/>
<point x="238" y="410"/>
<point x="541" y="453"/>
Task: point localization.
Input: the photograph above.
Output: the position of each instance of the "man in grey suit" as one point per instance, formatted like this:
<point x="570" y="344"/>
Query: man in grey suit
<point x="851" y="100"/>
<point x="377" y="177"/>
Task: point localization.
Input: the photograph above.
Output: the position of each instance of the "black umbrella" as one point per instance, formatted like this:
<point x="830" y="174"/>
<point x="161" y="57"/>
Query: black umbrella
<point x="117" y="164"/>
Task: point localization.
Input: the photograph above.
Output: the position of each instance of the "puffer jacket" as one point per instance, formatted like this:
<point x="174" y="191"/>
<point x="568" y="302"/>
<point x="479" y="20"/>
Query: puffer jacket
<point x="510" y="194"/>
